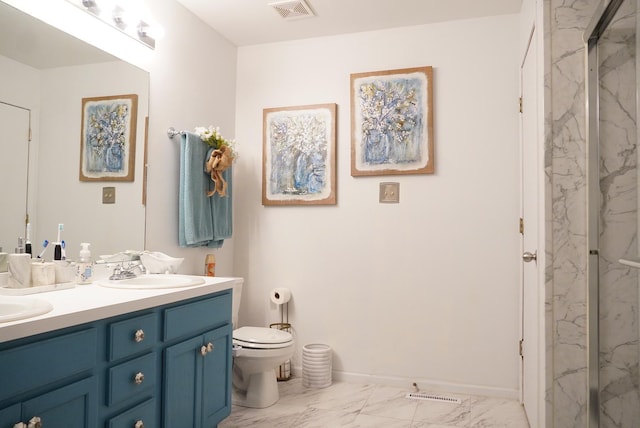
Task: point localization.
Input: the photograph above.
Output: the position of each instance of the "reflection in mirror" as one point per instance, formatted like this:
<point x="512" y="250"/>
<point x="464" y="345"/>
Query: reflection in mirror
<point x="15" y="123"/>
<point x="45" y="75"/>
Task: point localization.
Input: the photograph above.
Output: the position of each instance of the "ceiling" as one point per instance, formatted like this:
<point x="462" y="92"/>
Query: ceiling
<point x="250" y="22"/>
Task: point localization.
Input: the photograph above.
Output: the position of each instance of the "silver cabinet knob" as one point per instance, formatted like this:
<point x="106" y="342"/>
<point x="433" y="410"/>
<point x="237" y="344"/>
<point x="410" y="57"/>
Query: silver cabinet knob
<point x="529" y="257"/>
<point x="139" y="424"/>
<point x="205" y="349"/>
<point x="35" y="422"/>
<point x="139" y="336"/>
<point x="138" y="378"/>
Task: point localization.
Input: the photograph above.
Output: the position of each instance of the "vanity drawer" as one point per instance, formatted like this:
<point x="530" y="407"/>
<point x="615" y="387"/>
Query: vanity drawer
<point x="193" y="317"/>
<point x="131" y="378"/>
<point x="132" y="336"/>
<point x="30" y="366"/>
<point x="143" y="415"/>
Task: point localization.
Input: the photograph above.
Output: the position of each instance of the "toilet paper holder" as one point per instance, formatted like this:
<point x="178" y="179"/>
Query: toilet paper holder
<point x="284" y="370"/>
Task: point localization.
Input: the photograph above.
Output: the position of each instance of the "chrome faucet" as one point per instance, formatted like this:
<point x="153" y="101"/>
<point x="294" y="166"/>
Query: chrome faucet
<point x="120" y="272"/>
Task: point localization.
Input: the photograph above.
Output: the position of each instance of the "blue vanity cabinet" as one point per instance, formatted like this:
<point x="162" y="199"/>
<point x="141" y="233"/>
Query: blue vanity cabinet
<point x="141" y="369"/>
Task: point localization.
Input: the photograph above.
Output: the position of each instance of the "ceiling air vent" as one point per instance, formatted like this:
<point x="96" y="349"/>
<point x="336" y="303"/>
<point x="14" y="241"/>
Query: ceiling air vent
<point x="292" y="9"/>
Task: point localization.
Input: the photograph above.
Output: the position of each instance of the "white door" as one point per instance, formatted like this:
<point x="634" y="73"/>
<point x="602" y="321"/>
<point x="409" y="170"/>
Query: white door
<point x="530" y="171"/>
<point x="14" y="146"/>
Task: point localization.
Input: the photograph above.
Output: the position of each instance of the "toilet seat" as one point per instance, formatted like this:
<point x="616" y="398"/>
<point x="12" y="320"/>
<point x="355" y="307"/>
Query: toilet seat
<point x="261" y="338"/>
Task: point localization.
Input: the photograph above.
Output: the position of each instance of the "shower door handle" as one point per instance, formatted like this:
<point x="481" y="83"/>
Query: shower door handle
<point x="529" y="257"/>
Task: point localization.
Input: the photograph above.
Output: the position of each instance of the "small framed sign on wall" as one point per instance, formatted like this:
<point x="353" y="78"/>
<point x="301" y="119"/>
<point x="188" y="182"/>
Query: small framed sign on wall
<point x="392" y="122"/>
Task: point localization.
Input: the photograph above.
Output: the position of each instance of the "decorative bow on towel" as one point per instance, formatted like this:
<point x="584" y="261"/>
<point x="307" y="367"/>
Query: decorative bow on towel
<point x="218" y="161"/>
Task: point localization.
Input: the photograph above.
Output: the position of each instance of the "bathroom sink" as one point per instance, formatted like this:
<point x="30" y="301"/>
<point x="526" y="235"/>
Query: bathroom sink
<point x="16" y="308"/>
<point x="153" y="281"/>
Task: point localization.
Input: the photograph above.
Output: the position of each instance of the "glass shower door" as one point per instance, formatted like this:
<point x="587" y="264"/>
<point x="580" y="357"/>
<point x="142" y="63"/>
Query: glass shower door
<point x="613" y="200"/>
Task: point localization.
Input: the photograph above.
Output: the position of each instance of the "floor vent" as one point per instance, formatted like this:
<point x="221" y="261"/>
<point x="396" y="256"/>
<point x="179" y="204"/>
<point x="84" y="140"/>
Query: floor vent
<point x="432" y="397"/>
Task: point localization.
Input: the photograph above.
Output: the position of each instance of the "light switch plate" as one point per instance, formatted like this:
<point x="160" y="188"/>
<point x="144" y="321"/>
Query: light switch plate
<point x="108" y="195"/>
<point x="390" y="193"/>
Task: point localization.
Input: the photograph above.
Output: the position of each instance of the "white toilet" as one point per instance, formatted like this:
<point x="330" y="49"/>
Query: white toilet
<point x="257" y="352"/>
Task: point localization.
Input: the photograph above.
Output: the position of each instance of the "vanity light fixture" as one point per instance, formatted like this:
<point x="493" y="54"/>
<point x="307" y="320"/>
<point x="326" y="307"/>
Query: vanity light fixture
<point x="115" y="15"/>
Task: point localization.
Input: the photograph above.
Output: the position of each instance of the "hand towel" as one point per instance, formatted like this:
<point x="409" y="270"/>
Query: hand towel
<point x="203" y="220"/>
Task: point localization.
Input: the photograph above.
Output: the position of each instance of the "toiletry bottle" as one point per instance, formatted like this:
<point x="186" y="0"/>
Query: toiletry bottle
<point x="57" y="249"/>
<point x="210" y="265"/>
<point x="85" y="267"/>
<point x="27" y="247"/>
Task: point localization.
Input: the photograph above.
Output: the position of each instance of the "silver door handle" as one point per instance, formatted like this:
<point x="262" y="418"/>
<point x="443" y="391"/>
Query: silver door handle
<point x="529" y="257"/>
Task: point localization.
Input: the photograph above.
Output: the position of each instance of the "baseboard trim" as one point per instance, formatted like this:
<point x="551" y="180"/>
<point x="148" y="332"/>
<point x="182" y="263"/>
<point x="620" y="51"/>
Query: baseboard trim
<point x="423" y="384"/>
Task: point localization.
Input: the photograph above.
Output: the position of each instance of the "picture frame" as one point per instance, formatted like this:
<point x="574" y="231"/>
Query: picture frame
<point x="108" y="138"/>
<point x="392" y="122"/>
<point x="299" y="155"/>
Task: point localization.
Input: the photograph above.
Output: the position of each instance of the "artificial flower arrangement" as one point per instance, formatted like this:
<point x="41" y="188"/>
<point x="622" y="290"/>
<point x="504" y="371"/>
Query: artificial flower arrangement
<point x="219" y="158"/>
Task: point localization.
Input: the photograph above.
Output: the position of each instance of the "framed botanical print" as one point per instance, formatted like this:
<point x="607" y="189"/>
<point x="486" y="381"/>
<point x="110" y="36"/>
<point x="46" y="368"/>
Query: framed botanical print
<point x="392" y="122"/>
<point x="299" y="155"/>
<point x="108" y="138"/>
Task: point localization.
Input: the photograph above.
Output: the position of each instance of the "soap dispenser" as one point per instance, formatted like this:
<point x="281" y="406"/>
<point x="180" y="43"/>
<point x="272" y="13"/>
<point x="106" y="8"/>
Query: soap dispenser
<point x="85" y="266"/>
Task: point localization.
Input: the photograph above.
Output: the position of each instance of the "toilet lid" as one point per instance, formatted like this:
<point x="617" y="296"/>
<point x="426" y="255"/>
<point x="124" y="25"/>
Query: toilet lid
<point x="261" y="337"/>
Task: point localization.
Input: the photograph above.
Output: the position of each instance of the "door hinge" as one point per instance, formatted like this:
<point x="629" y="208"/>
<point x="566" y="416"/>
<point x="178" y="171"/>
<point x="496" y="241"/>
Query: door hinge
<point x="520" y="102"/>
<point x="521" y="226"/>
<point x="521" y="348"/>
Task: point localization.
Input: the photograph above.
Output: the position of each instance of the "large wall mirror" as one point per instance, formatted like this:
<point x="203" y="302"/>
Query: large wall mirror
<point x="45" y="75"/>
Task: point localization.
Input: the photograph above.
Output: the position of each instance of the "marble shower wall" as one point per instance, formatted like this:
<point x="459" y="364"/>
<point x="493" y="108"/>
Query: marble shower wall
<point x="620" y="402"/>
<point x="566" y="215"/>
<point x="564" y="22"/>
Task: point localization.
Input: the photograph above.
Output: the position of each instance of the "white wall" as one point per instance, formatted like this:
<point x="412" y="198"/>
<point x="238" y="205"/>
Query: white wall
<point x="426" y="290"/>
<point x="192" y="84"/>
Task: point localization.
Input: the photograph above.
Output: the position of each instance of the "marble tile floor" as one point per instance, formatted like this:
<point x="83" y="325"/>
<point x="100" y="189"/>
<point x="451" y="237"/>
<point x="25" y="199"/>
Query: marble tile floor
<point x="371" y="406"/>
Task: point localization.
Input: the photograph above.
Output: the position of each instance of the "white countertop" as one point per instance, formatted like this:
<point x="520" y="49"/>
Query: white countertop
<point x="91" y="302"/>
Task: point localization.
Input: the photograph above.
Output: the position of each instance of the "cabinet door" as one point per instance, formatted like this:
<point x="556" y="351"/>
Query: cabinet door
<point x="197" y="380"/>
<point x="10" y="416"/>
<point x="216" y="388"/>
<point x="72" y="406"/>
<point x="182" y="383"/>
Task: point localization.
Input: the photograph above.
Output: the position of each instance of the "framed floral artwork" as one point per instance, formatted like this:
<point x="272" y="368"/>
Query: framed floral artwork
<point x="108" y="138"/>
<point x="392" y="122"/>
<point x="299" y="155"/>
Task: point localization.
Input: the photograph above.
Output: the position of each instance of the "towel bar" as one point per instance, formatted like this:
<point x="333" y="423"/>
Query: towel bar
<point x="172" y="132"/>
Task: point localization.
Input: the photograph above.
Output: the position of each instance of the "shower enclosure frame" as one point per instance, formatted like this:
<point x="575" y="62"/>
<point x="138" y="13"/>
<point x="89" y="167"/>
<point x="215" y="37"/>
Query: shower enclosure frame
<point x="605" y="12"/>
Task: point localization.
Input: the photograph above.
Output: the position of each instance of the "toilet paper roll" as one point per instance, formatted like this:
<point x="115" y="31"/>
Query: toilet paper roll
<point x="280" y="296"/>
